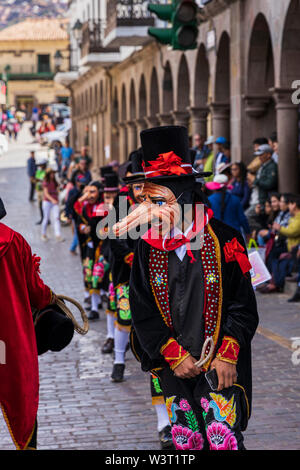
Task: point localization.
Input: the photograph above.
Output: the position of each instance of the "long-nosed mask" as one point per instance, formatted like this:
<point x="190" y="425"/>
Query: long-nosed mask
<point x="160" y="210"/>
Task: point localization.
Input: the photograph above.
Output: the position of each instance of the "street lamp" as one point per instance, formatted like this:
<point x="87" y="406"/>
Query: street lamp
<point x="58" y="58"/>
<point x="77" y="31"/>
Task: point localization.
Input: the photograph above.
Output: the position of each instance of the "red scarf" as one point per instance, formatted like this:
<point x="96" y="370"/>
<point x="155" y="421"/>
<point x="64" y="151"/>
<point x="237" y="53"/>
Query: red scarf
<point x="153" y="238"/>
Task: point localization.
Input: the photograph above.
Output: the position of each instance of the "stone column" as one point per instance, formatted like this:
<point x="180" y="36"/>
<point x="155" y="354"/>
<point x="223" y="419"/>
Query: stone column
<point x="199" y="121"/>
<point x="221" y="120"/>
<point x="181" y="118"/>
<point x="140" y="126"/>
<point x="123" y="141"/>
<point x="165" y="119"/>
<point x="151" y="121"/>
<point x="132" y="140"/>
<point x="287" y="133"/>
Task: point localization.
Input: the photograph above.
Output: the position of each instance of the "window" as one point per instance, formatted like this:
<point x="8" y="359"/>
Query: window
<point x="44" y="63"/>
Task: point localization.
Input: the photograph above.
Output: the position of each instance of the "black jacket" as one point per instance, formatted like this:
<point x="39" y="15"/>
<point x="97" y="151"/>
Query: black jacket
<point x="238" y="319"/>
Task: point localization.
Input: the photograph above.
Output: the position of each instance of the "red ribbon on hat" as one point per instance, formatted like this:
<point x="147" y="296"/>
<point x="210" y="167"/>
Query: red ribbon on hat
<point x="167" y="164"/>
<point x="234" y="251"/>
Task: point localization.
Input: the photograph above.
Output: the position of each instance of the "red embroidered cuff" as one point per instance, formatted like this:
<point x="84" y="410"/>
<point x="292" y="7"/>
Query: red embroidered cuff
<point x="229" y="350"/>
<point x="129" y="259"/>
<point x="173" y="353"/>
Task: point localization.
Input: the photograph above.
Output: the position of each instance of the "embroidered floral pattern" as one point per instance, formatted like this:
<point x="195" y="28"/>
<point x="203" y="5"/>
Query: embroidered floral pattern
<point x="205" y="404"/>
<point x="220" y="437"/>
<point x="122" y="292"/>
<point x="184" y="405"/>
<point x="185" y="439"/>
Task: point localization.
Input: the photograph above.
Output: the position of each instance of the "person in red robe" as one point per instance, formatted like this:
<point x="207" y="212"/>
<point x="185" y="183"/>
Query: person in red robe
<point x="22" y="290"/>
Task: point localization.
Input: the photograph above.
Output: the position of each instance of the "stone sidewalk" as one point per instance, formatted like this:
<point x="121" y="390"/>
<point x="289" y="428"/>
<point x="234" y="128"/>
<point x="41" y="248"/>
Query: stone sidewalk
<point x="80" y="408"/>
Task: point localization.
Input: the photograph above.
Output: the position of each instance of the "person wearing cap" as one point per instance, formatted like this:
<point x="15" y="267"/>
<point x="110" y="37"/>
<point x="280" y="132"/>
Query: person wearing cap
<point x="220" y="157"/>
<point x="192" y="302"/>
<point x="264" y="182"/>
<point x="39" y="178"/>
<point x="226" y="206"/>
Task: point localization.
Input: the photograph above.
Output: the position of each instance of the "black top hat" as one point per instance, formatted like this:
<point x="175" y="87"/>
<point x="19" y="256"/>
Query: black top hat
<point x="124" y="169"/>
<point x="104" y="170"/>
<point x="166" y="155"/>
<point x="53" y="329"/>
<point x="111" y="182"/>
<point x="136" y="160"/>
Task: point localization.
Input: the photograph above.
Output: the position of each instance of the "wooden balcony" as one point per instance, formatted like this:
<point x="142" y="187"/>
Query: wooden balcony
<point x="93" y="51"/>
<point x="127" y="23"/>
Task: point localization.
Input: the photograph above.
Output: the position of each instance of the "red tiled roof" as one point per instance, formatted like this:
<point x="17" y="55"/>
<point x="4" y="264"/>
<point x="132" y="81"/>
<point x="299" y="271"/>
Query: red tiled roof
<point x="36" y="29"/>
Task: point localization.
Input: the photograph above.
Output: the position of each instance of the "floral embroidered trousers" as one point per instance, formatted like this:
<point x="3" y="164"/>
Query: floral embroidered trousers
<point x="203" y="419"/>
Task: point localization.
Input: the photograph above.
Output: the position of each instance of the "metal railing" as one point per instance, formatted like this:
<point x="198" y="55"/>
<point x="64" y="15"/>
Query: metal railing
<point x="128" y="13"/>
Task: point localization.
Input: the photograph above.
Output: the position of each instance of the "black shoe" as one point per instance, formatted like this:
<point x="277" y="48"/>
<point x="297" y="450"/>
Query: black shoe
<point x="165" y="438"/>
<point x="108" y="346"/>
<point x="39" y="223"/>
<point x="296" y="296"/>
<point x="93" y="315"/>
<point x="118" y="373"/>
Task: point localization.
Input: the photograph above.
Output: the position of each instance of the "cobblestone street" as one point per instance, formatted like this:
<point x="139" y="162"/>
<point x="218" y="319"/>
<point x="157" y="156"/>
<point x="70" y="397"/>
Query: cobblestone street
<point x="80" y="408"/>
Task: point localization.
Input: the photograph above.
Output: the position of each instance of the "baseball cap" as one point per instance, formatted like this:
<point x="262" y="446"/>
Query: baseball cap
<point x="210" y="140"/>
<point x="218" y="182"/>
<point x="266" y="148"/>
<point x="221" y="140"/>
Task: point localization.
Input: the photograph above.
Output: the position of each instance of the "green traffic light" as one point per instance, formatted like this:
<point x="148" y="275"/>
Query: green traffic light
<point x="163" y="35"/>
<point x="182" y="14"/>
<point x="163" y="12"/>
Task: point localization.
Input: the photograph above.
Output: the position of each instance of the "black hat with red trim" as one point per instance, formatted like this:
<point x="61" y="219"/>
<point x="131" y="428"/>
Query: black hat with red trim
<point x="111" y="182"/>
<point x="166" y="156"/>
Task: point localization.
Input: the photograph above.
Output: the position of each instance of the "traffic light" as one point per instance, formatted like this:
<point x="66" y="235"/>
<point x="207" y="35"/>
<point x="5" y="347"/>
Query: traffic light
<point x="182" y="14"/>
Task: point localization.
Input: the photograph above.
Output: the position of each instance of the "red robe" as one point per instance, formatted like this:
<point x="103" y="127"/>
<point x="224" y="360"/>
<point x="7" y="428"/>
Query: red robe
<point x="21" y="289"/>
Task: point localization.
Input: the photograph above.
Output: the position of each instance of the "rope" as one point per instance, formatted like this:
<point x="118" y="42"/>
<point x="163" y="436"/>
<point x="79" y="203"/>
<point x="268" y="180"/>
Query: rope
<point x="203" y="359"/>
<point x="82" y="330"/>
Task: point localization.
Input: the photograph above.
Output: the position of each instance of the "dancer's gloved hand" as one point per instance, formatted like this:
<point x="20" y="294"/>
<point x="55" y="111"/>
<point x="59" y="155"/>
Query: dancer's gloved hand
<point x="226" y="372"/>
<point x="187" y="369"/>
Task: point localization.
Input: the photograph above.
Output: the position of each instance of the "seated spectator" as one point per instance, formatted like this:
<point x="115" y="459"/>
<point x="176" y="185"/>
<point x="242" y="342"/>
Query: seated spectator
<point x="264" y="182"/>
<point x="296" y="296"/>
<point x="240" y="186"/>
<point x="265" y="233"/>
<point x="226" y="206"/>
<point x="282" y="264"/>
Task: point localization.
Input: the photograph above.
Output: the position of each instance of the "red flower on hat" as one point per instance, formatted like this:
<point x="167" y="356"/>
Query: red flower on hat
<point x="167" y="164"/>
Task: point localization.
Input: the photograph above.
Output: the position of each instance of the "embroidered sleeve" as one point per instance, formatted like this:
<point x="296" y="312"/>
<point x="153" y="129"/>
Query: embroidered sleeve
<point x="229" y="350"/>
<point x="129" y="258"/>
<point x="173" y="353"/>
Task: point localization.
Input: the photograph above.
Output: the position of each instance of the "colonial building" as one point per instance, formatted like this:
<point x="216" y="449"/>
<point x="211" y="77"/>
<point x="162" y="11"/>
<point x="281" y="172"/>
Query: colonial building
<point x="31" y="52"/>
<point x="238" y="83"/>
